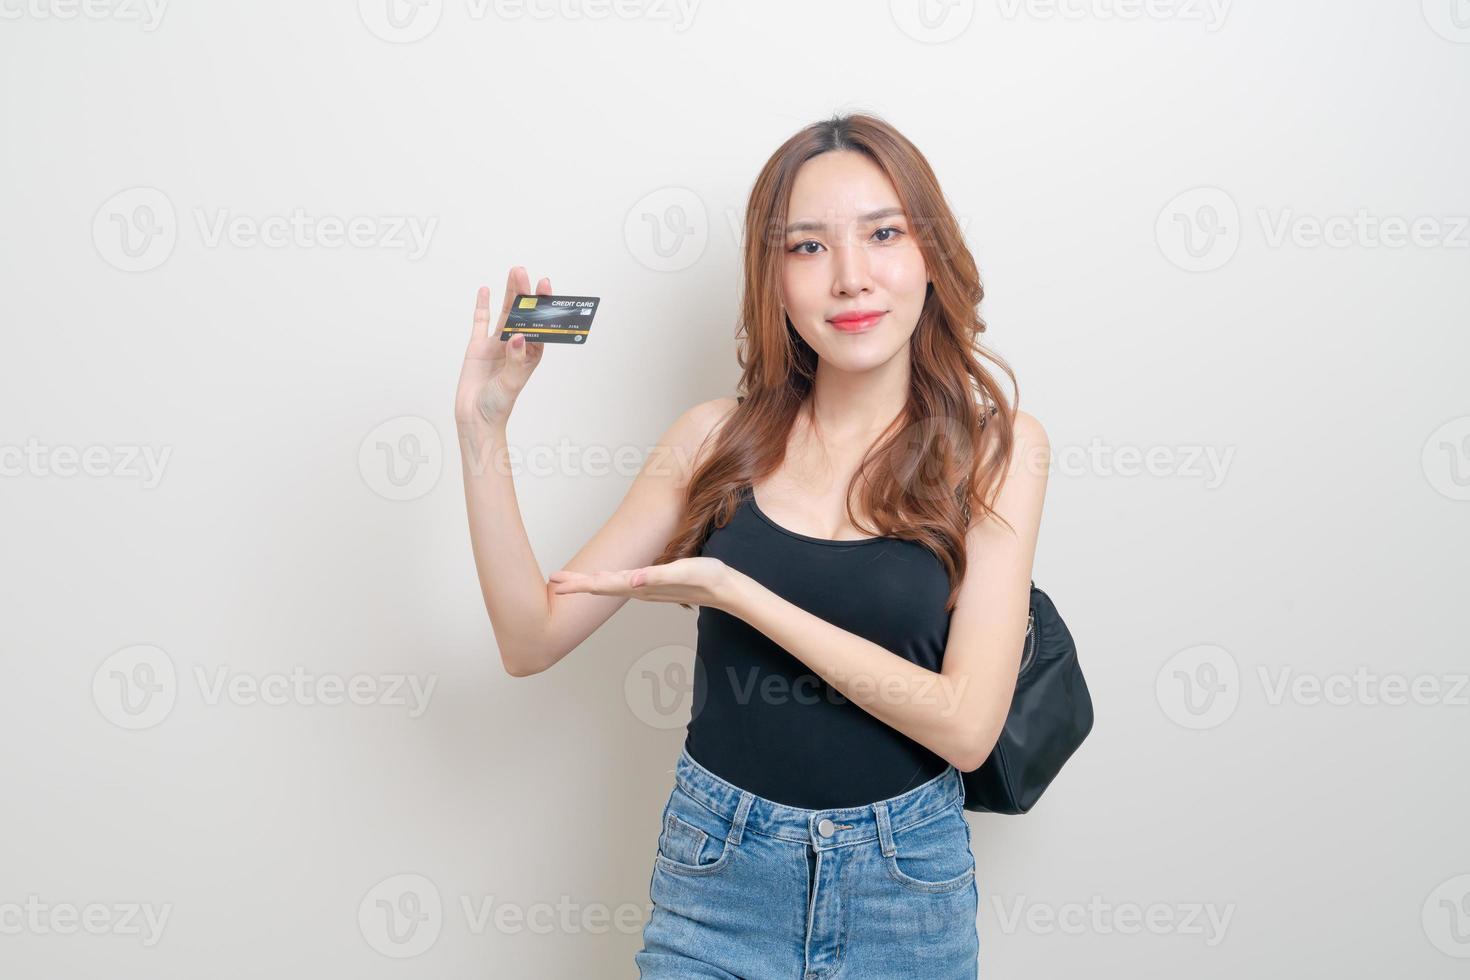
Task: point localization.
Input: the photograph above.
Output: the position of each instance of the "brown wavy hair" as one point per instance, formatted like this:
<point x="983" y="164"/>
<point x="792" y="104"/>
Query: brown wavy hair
<point x="949" y="446"/>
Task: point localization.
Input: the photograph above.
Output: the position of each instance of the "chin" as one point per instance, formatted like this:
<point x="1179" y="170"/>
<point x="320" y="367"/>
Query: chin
<point x="854" y="361"/>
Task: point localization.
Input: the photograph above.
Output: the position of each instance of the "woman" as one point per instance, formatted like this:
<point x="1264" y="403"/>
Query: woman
<point x="858" y="531"/>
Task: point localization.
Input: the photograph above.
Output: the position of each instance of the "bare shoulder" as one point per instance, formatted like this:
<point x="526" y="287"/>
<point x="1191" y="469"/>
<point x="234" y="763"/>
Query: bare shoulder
<point x="1030" y="430"/>
<point x="1031" y="451"/>
<point x="691" y="434"/>
<point x="1030" y="439"/>
<point x="1030" y="462"/>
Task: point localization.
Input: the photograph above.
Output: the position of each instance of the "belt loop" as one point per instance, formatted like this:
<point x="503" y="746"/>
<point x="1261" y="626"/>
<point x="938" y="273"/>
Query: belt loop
<point x="885" y="832"/>
<point x="737" y="825"/>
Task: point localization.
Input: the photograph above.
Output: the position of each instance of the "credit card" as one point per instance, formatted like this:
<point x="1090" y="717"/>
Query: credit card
<point x="551" y="319"/>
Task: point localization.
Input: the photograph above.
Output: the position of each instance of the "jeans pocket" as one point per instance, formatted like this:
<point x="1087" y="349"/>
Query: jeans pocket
<point x="934" y="855"/>
<point x="693" y="840"/>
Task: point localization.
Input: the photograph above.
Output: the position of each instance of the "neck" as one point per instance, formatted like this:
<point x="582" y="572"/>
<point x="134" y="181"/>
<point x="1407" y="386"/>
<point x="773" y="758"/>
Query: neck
<point x="857" y="406"/>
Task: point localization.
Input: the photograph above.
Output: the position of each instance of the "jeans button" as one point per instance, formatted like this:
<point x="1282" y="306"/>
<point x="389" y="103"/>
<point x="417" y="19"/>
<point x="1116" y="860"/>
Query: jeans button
<point x="826" y="827"/>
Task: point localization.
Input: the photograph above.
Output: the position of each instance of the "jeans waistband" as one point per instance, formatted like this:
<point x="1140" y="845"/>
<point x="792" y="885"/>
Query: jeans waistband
<point x="835" y="827"/>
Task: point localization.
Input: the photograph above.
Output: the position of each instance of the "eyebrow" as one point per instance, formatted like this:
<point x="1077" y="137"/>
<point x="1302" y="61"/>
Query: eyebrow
<point x="868" y="218"/>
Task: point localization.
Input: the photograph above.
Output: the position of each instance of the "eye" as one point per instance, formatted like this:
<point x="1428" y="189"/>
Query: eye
<point x="799" y="245"/>
<point x="896" y="232"/>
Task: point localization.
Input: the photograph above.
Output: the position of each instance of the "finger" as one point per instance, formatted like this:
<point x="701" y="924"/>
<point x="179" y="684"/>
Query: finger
<point x="533" y="348"/>
<point x="524" y="352"/>
<point x="517" y="282"/>
<point x="482" y="315"/>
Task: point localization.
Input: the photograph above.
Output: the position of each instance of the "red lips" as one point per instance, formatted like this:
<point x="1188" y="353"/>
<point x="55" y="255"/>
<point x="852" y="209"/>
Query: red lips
<point x="855" y="320"/>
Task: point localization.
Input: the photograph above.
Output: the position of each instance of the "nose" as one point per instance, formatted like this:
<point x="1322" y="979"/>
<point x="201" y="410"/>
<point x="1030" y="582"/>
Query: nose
<point x="850" y="270"/>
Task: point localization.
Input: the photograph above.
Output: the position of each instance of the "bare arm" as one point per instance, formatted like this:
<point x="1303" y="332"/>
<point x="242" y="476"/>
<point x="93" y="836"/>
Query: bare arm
<point x="535" y="628"/>
<point x="957" y="712"/>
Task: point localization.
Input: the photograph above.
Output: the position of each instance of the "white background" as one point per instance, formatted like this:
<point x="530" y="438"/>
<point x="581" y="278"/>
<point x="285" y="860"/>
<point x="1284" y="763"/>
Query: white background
<point x="1121" y="172"/>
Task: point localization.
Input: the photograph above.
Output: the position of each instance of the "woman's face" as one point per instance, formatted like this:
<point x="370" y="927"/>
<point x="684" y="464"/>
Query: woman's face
<point x="850" y="248"/>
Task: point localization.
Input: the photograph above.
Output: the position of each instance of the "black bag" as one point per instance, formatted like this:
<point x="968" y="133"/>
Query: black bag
<point x="1051" y="713"/>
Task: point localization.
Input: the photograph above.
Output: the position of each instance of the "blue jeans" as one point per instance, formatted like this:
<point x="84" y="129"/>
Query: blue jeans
<point x="747" y="888"/>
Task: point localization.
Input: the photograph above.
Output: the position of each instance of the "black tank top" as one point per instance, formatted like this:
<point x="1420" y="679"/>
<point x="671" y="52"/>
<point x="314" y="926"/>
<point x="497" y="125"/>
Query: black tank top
<point x="760" y="718"/>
